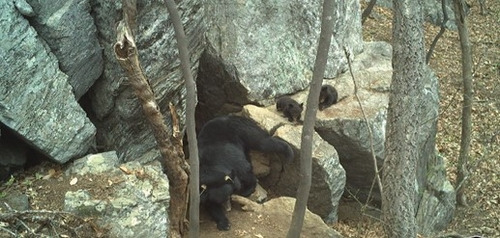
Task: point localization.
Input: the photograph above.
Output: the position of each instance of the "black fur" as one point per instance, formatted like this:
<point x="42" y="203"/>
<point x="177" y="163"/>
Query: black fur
<point x="327" y="97"/>
<point x="290" y="108"/>
<point x="224" y="144"/>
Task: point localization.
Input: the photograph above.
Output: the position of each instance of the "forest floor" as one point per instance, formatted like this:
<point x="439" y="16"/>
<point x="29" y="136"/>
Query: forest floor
<point x="482" y="216"/>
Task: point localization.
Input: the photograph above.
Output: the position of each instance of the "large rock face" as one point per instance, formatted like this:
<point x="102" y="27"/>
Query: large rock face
<point x="36" y="100"/>
<point x="69" y="30"/>
<point x="343" y="125"/>
<point x="260" y="50"/>
<point x="328" y="176"/>
<point x="119" y="116"/>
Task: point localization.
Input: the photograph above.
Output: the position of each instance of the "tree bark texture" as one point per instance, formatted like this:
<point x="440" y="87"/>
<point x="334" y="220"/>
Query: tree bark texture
<point x="465" y="140"/>
<point x="194" y="192"/>
<point x="310" y="118"/>
<point x="401" y="146"/>
<point x="170" y="146"/>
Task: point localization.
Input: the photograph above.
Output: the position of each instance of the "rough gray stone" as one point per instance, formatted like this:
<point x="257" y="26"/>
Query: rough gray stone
<point x="328" y="179"/>
<point x="80" y="202"/>
<point x="69" y="30"/>
<point x="260" y="50"/>
<point x="437" y="204"/>
<point x="437" y="195"/>
<point x="343" y="126"/>
<point x="35" y="99"/>
<point x="15" y="200"/>
<point x="94" y="163"/>
<point x="24" y="8"/>
<point x="138" y="202"/>
<point x="119" y="116"/>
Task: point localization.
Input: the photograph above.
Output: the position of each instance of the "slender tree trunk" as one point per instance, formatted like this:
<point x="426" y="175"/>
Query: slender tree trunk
<point x="310" y="118"/>
<point x="400" y="165"/>
<point x="170" y="146"/>
<point x="194" y="181"/>
<point x="467" y="104"/>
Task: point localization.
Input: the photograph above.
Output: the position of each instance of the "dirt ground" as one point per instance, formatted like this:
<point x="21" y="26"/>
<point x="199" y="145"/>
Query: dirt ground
<point x="46" y="185"/>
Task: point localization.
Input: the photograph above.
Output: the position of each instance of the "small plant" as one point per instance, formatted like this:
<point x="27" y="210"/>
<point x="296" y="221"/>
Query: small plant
<point x="10" y="181"/>
<point x="7" y="185"/>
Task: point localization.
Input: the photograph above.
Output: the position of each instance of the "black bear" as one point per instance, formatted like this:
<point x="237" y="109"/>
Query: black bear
<point x="224" y="144"/>
<point x="290" y="108"/>
<point x="327" y="96"/>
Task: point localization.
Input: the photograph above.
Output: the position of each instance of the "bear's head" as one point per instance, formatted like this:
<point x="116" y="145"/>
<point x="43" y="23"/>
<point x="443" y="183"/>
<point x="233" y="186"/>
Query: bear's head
<point x="218" y="186"/>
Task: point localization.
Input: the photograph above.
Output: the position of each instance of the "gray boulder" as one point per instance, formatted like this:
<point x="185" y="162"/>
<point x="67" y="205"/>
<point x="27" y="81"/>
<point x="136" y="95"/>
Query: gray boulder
<point x="328" y="179"/>
<point x="137" y="200"/>
<point x="14" y="200"/>
<point x="69" y="30"/>
<point x="260" y="50"/>
<point x="118" y="114"/>
<point x="35" y="98"/>
<point x="437" y="201"/>
<point x="343" y="126"/>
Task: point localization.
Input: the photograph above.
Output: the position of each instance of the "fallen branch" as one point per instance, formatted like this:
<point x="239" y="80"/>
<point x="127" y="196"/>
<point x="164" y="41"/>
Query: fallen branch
<point x="41" y="223"/>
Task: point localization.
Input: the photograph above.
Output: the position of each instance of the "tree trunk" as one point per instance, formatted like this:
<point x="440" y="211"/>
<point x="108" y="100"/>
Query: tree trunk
<point x="170" y="146"/>
<point x="309" y="120"/>
<point x="467" y="104"/>
<point x="399" y="169"/>
<point x="194" y="181"/>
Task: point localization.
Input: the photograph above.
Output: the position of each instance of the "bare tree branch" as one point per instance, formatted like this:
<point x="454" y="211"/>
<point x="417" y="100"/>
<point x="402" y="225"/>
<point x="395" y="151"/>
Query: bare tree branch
<point x="39" y="223"/>
<point x="310" y="118"/>
<point x="170" y="147"/>
<point x="439" y="34"/>
<point x="367" y="11"/>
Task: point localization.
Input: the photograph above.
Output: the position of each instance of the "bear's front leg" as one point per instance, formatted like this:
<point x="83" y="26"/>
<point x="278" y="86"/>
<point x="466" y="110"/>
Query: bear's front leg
<point x="216" y="211"/>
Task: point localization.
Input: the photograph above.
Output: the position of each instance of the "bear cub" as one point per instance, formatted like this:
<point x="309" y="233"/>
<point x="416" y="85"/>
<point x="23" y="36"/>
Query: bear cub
<point x="224" y="144"/>
<point x="327" y="97"/>
<point x="290" y="108"/>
